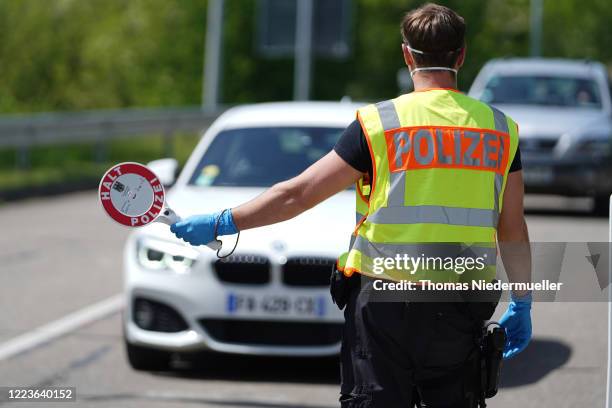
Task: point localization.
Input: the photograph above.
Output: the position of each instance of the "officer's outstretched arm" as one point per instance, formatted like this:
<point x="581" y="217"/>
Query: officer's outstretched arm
<point x="512" y="232"/>
<point x="285" y="200"/>
<point x="516" y="254"/>
<point x="281" y="202"/>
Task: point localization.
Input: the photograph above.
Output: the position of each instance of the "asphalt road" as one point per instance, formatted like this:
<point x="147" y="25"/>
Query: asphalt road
<point x="60" y="255"/>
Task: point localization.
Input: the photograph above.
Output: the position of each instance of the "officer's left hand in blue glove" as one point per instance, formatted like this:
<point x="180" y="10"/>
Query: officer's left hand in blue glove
<point x="517" y="323"/>
<point x="200" y="229"/>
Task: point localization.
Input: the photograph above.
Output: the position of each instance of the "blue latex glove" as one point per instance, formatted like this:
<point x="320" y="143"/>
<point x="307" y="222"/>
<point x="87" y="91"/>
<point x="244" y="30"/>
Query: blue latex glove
<point x="200" y="229"/>
<point x="517" y="323"/>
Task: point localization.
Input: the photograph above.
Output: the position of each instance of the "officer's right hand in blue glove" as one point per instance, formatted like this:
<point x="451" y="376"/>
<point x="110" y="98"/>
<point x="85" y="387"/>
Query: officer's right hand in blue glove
<point x="200" y="229"/>
<point x="517" y="323"/>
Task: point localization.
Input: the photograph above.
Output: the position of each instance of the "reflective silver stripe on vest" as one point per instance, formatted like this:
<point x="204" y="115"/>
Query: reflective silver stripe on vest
<point x="499" y="183"/>
<point x="388" y="115"/>
<point x="501" y="125"/>
<point x="427" y="250"/>
<point x="397" y="189"/>
<point x="433" y="214"/>
<point x="390" y="120"/>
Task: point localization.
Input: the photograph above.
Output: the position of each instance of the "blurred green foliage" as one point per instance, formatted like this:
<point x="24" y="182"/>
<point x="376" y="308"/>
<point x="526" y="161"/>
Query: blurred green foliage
<point x="90" y="54"/>
<point x="74" y="54"/>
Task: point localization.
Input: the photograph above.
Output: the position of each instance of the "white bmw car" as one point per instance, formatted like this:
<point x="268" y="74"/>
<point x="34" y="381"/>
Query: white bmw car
<point x="271" y="297"/>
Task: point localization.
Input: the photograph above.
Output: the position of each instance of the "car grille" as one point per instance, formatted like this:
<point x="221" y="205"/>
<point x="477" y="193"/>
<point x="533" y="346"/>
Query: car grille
<point x="243" y="269"/>
<point x="156" y="316"/>
<point x="307" y="271"/>
<point x="270" y="333"/>
<point x="534" y="145"/>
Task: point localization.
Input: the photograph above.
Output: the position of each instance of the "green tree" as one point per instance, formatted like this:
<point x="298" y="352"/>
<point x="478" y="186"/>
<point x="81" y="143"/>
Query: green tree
<point x="92" y="54"/>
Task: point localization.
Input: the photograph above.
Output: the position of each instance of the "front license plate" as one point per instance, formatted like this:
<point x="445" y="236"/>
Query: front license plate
<point x="538" y="175"/>
<point x="276" y="305"/>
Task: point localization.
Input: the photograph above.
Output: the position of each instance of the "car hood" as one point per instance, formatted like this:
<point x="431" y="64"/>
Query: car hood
<point x="551" y="122"/>
<point x="323" y="230"/>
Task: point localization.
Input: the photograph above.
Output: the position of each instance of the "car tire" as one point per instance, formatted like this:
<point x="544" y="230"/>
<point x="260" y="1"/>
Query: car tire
<point x="147" y="359"/>
<point x="602" y="205"/>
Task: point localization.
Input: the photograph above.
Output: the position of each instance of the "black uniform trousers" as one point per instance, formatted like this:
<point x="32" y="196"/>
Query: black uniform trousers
<point x="405" y="354"/>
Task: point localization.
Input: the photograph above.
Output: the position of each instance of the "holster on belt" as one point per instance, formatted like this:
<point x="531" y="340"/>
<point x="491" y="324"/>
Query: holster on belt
<point x="339" y="287"/>
<point x="491" y="340"/>
<point x="491" y="360"/>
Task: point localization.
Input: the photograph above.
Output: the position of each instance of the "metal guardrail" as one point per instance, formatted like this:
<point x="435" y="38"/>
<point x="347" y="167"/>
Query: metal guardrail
<point x="24" y="131"/>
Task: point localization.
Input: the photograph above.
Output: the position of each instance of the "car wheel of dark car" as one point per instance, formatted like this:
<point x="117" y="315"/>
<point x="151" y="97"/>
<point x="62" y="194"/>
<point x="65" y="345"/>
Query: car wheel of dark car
<point x="147" y="359"/>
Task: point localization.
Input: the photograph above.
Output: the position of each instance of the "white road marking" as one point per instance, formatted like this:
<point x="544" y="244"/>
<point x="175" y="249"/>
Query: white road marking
<point x="61" y="327"/>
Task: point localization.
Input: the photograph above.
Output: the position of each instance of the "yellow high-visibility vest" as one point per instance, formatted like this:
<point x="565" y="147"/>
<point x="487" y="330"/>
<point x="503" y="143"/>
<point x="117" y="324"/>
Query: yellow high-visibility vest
<point x="440" y="163"/>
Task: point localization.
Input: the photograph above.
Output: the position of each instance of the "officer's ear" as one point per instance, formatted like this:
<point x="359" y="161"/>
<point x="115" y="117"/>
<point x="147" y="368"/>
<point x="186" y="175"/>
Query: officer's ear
<point x="461" y="58"/>
<point x="408" y="57"/>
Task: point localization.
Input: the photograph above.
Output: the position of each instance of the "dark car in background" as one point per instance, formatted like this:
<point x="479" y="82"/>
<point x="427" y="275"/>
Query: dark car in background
<point x="564" y="112"/>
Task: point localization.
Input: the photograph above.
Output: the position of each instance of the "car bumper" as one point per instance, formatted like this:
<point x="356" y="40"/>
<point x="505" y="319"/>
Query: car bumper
<point x="196" y="341"/>
<point x="588" y="177"/>
<point x="201" y="301"/>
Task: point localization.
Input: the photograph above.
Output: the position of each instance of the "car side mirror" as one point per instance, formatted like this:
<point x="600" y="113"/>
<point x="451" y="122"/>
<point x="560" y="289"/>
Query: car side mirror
<point x="165" y="169"/>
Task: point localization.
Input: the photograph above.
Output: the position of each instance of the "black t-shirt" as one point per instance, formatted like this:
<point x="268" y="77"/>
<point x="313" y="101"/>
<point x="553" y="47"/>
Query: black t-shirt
<point x="353" y="148"/>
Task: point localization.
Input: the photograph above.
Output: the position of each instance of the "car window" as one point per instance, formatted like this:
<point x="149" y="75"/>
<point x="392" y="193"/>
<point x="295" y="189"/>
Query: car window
<point x="543" y="90"/>
<point x="261" y="157"/>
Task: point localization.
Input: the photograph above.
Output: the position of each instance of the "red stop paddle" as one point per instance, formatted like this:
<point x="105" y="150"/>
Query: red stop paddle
<point x="132" y="195"/>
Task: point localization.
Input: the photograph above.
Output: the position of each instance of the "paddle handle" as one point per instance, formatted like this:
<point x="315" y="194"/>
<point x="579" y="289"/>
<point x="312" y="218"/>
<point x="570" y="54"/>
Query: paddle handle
<point x="169" y="217"/>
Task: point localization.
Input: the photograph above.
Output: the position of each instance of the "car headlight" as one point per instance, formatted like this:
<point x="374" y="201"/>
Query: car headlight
<point x="159" y="255"/>
<point x="596" y="147"/>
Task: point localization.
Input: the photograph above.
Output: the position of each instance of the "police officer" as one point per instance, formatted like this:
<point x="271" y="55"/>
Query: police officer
<point x="434" y="168"/>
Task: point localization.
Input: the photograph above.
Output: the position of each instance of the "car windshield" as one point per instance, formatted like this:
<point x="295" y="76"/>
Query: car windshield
<point x="261" y="157"/>
<point x="542" y="90"/>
